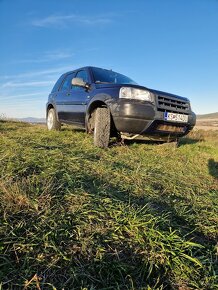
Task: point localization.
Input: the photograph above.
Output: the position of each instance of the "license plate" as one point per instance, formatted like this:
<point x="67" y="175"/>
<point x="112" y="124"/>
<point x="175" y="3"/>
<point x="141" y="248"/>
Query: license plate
<point x="175" y="117"/>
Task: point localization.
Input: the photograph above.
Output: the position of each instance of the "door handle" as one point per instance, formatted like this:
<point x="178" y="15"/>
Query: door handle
<point x="68" y="94"/>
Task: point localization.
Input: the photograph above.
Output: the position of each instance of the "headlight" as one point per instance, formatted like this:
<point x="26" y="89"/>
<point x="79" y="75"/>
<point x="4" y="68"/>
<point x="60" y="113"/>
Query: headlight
<point x="136" y="94"/>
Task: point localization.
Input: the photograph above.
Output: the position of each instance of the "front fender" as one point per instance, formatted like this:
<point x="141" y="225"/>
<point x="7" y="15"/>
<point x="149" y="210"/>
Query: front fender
<point x="99" y="100"/>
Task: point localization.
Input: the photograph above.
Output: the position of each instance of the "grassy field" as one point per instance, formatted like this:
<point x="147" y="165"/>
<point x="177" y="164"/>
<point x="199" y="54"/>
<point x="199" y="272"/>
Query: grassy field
<point x="72" y="216"/>
<point x="207" y="122"/>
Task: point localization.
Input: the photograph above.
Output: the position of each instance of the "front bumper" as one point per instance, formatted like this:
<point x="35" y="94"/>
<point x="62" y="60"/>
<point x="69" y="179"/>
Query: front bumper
<point x="136" y="117"/>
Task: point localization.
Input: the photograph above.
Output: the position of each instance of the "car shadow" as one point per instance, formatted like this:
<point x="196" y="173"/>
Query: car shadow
<point x="181" y="142"/>
<point x="189" y="141"/>
<point x="157" y="205"/>
<point x="133" y="142"/>
<point x="138" y="141"/>
<point x="213" y="168"/>
<point x="161" y="206"/>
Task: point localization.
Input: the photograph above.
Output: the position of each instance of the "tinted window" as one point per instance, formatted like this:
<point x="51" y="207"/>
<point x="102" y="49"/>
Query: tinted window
<point x="57" y="85"/>
<point x="83" y="75"/>
<point x="66" y="86"/>
<point x="109" y="76"/>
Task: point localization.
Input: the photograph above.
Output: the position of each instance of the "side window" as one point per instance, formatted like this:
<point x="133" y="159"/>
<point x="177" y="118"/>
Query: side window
<point x="83" y="75"/>
<point x="57" y="85"/>
<point x="66" y="86"/>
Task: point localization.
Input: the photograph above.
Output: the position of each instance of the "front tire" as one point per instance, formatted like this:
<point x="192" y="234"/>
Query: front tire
<point x="52" y="121"/>
<point x="102" y="127"/>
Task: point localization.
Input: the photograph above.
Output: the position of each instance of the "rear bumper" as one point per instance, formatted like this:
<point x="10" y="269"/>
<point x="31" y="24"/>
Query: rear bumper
<point x="135" y="117"/>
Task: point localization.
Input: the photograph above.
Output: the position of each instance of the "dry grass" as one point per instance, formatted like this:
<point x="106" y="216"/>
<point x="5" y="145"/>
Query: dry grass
<point x="207" y="124"/>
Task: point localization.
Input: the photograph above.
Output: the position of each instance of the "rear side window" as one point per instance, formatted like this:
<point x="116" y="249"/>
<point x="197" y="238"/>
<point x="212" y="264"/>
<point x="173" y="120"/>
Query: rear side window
<point x="66" y="86"/>
<point x="57" y="85"/>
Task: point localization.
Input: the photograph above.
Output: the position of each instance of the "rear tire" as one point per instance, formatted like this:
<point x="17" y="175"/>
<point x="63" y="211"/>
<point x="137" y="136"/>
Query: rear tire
<point x="52" y="121"/>
<point x="102" y="127"/>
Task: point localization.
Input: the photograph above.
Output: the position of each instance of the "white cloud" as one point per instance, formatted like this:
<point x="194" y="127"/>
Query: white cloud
<point x="33" y="74"/>
<point x="27" y="101"/>
<point x="48" y="56"/>
<point x="27" y="92"/>
<point x="27" y="84"/>
<point x="64" y="20"/>
<point x="22" y="96"/>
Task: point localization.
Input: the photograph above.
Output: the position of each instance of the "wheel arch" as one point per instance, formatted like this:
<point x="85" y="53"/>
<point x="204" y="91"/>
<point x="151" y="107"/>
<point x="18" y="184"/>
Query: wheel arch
<point x="90" y="115"/>
<point x="49" y="106"/>
<point x="96" y="104"/>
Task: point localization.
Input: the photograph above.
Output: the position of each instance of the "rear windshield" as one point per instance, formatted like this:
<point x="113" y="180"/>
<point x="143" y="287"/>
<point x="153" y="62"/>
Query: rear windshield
<point x="109" y="76"/>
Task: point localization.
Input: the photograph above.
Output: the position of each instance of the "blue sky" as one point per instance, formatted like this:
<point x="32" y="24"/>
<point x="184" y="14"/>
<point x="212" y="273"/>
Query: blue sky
<point x="169" y="45"/>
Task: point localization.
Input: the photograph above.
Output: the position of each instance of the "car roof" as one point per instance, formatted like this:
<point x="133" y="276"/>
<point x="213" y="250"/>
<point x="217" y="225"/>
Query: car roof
<point x="85" y="67"/>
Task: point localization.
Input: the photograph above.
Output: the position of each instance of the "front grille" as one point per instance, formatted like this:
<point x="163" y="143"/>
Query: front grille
<point x="171" y="104"/>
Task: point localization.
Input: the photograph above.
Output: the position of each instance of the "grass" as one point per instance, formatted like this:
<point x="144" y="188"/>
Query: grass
<point x="72" y="216"/>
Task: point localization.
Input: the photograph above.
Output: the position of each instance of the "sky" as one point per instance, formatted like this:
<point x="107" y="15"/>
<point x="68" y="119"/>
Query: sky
<point x="168" y="45"/>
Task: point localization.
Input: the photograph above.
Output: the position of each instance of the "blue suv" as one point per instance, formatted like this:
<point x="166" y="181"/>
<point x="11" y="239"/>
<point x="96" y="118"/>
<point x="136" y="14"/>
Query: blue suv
<point x="109" y="104"/>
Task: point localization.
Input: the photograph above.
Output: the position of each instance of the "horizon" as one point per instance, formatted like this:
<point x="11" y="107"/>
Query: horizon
<point x="168" y="46"/>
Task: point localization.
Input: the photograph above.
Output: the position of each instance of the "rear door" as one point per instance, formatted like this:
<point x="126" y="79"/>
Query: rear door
<point x="63" y="98"/>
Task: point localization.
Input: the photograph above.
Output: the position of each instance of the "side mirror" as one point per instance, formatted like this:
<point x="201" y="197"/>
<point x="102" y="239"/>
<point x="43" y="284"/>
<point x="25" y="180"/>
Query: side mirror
<point x="79" y="83"/>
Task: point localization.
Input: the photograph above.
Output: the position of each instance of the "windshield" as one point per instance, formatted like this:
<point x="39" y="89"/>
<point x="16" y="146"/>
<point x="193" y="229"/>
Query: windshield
<point x="109" y="76"/>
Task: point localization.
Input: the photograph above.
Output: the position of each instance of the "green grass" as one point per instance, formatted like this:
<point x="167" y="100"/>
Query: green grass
<point x="72" y="216"/>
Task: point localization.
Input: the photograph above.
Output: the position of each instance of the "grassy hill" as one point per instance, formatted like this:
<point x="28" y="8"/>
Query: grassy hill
<point x="208" y="116"/>
<point x="72" y="216"/>
<point x="207" y="122"/>
<point x="33" y="120"/>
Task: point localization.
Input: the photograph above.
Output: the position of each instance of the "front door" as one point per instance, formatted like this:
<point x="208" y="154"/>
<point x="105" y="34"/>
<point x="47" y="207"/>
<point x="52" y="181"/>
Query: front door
<point x="72" y="100"/>
<point x="79" y="97"/>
